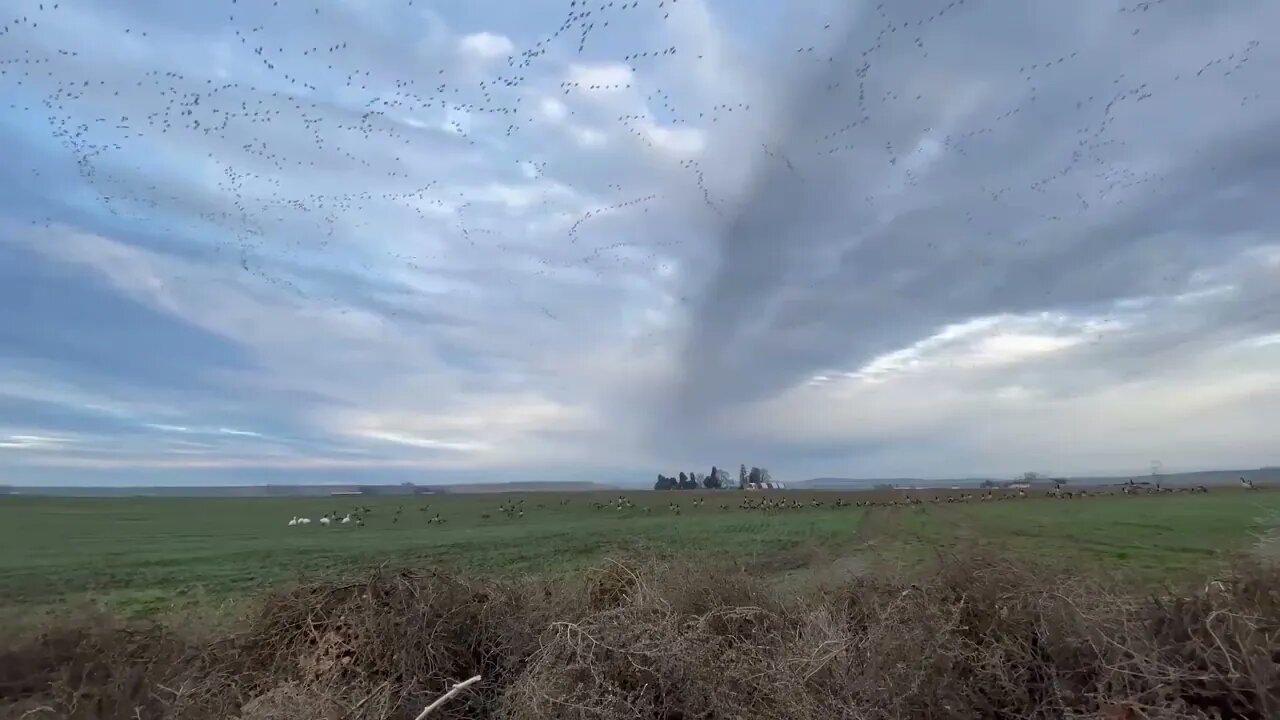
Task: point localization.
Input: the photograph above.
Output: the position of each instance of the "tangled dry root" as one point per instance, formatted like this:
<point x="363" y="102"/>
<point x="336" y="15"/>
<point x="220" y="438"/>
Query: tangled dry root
<point x="983" y="637"/>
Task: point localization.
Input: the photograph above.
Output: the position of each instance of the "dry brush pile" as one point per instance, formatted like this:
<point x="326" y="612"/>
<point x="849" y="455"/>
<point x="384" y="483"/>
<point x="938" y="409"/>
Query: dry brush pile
<point x="980" y="638"/>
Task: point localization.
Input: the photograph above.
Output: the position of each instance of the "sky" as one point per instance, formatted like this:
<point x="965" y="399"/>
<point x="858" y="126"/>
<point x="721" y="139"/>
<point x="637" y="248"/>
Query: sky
<point x="398" y="240"/>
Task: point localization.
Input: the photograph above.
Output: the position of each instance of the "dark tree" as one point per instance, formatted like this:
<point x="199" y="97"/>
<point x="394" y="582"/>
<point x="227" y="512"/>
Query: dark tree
<point x="742" y="475"/>
<point x="754" y="476"/>
<point x="683" y="479"/>
<point x="712" y="481"/>
<point x="664" y="483"/>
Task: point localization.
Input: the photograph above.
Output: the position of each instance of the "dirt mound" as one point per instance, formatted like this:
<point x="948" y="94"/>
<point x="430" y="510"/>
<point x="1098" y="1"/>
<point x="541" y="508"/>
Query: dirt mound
<point x="980" y="638"/>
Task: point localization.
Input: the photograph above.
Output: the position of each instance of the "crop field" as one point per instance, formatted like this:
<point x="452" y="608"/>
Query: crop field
<point x="143" y="556"/>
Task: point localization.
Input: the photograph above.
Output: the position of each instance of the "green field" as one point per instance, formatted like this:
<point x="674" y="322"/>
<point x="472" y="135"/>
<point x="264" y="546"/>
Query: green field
<point x="151" y="555"/>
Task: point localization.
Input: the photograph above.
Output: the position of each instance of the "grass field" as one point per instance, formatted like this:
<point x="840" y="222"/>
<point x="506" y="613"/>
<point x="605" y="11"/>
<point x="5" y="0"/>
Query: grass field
<point x="881" y="609"/>
<point x="150" y="555"/>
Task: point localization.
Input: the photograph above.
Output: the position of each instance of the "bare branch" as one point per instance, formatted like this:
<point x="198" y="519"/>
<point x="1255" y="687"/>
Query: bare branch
<point x="444" y="698"/>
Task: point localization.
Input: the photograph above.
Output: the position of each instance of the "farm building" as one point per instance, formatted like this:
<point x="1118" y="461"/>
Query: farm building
<point x="772" y="485"/>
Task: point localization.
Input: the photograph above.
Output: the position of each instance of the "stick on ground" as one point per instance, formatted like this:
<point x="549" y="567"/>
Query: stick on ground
<point x="452" y="691"/>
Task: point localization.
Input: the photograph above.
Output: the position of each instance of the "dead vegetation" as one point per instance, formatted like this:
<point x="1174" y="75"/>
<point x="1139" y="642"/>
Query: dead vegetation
<point x="982" y="637"/>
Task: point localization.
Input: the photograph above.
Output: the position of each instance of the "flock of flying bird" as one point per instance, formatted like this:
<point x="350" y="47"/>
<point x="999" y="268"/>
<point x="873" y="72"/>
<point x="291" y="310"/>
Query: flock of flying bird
<point x="321" y="102"/>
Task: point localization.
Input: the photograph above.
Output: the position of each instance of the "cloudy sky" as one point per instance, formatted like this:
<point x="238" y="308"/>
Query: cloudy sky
<point x="321" y="240"/>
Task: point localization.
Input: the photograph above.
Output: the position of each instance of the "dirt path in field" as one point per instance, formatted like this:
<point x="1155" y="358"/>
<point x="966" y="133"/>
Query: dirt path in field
<point x="912" y="537"/>
<point x="875" y="526"/>
<point x="887" y="539"/>
<point x="955" y="520"/>
<point x="803" y="566"/>
<point x="878" y="529"/>
<point x="1267" y="545"/>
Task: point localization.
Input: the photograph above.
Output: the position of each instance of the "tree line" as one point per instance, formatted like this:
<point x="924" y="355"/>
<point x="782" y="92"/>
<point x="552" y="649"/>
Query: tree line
<point x="716" y="479"/>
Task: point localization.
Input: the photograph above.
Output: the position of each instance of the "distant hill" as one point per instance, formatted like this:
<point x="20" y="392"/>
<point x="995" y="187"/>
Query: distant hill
<point x="836" y="483"/>
<point x="1203" y="477"/>
<point x="531" y="486"/>
<point x="266" y="491"/>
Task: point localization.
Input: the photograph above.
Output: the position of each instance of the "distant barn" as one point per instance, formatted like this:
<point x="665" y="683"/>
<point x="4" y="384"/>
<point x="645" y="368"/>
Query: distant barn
<point x="766" y="486"/>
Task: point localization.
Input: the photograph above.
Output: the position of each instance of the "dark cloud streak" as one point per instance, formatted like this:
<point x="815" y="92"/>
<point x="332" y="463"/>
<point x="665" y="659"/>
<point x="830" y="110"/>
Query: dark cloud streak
<point x="996" y="221"/>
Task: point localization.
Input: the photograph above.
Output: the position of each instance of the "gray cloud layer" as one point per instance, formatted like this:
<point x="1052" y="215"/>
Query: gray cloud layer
<point x="825" y="236"/>
<point x="999" y="161"/>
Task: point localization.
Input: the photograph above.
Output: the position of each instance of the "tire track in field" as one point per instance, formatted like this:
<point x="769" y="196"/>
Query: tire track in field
<point x="876" y="524"/>
<point x="956" y="521"/>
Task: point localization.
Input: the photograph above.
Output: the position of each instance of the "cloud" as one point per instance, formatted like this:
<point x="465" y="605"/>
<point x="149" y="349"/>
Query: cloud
<point x="589" y="137"/>
<point x="31" y="442"/>
<point x="679" y="141"/>
<point x="552" y="109"/>
<point x="1061" y="207"/>
<point x="603" y="77"/>
<point x="485" y="45"/>
<point x="495" y="241"/>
